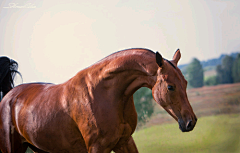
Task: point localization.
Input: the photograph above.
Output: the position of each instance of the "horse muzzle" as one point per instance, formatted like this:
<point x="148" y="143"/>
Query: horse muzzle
<point x="187" y="125"/>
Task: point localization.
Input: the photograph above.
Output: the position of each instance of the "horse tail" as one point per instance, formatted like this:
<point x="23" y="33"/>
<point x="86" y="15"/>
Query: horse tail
<point x="8" y="70"/>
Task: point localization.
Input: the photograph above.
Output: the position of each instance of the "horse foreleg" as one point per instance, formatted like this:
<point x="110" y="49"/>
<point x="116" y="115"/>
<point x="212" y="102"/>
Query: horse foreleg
<point x="97" y="148"/>
<point x="11" y="142"/>
<point x="129" y="147"/>
<point x="17" y="146"/>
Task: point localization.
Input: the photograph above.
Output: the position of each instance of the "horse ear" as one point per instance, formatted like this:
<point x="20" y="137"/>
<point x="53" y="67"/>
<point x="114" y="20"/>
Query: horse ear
<point x="159" y="60"/>
<point x="176" y="56"/>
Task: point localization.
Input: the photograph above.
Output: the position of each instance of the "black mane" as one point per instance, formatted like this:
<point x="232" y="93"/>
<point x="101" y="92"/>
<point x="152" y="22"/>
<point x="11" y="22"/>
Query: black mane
<point x="170" y="63"/>
<point x="8" y="70"/>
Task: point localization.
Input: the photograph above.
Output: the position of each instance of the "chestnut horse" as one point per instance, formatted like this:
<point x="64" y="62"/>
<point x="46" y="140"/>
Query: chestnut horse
<point x="93" y="111"/>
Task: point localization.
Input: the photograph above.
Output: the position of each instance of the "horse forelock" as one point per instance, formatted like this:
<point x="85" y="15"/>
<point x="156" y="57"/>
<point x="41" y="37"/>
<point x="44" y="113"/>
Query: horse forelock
<point x="170" y="63"/>
<point x="173" y="68"/>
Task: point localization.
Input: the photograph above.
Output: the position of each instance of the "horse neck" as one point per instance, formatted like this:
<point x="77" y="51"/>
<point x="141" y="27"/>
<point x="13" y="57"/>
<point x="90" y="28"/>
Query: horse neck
<point x="120" y="77"/>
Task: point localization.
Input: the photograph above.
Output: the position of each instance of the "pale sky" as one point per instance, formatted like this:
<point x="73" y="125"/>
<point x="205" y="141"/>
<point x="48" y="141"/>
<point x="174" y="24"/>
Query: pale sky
<point x="54" y="39"/>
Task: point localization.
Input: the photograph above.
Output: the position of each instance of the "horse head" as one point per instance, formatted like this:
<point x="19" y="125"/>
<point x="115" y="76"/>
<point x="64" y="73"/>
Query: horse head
<point x="170" y="92"/>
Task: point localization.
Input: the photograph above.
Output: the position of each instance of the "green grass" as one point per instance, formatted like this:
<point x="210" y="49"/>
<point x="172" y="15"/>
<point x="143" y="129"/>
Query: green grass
<point x="29" y="151"/>
<point x="220" y="134"/>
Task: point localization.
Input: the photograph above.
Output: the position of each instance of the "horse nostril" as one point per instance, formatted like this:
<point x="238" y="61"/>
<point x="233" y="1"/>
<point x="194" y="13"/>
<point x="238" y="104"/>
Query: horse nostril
<point x="196" y="119"/>
<point x="189" y="125"/>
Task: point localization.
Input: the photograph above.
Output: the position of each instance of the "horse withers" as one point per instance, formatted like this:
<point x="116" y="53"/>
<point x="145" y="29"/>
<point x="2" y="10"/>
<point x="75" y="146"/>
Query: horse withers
<point x="93" y="111"/>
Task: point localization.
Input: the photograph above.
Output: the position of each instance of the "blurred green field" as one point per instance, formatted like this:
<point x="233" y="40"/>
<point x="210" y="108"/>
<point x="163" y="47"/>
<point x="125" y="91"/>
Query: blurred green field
<point x="217" y="129"/>
<point x="214" y="134"/>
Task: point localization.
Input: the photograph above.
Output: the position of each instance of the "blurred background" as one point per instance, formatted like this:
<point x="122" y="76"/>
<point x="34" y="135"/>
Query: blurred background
<point x="53" y="40"/>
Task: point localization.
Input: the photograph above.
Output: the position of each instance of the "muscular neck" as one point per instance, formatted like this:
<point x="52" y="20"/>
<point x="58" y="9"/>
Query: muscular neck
<point x="124" y="80"/>
<point x="120" y="76"/>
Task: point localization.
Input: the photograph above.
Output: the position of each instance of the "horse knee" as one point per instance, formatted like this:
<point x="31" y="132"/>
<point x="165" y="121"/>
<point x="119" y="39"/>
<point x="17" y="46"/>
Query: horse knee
<point x="102" y="145"/>
<point x="128" y="147"/>
<point x="97" y="148"/>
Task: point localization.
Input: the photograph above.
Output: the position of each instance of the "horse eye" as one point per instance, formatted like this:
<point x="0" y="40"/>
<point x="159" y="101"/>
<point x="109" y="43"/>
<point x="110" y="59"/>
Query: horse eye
<point x="170" y="88"/>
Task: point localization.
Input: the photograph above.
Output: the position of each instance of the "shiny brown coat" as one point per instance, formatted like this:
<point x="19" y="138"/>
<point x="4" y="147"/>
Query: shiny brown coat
<point x="93" y="111"/>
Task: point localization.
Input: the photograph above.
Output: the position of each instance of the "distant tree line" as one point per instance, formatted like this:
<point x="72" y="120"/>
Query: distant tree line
<point x="236" y="69"/>
<point x="227" y="72"/>
<point x="195" y="74"/>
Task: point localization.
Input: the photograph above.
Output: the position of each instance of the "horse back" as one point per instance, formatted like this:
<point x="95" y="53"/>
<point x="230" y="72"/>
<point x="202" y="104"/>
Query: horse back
<point x="25" y="98"/>
<point x="26" y="93"/>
